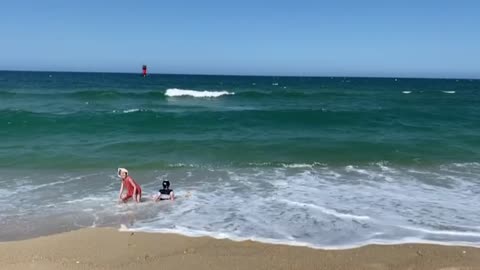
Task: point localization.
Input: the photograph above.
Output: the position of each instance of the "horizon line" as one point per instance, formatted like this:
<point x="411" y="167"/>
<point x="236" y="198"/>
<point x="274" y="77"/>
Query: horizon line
<point x="246" y="75"/>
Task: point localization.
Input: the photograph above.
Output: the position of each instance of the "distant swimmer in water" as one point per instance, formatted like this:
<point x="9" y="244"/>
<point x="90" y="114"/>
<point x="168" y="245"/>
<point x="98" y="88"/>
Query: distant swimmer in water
<point x="133" y="189"/>
<point x="165" y="193"/>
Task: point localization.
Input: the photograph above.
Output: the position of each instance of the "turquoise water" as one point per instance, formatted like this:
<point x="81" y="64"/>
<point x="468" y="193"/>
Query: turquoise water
<point x="75" y="120"/>
<point x="335" y="151"/>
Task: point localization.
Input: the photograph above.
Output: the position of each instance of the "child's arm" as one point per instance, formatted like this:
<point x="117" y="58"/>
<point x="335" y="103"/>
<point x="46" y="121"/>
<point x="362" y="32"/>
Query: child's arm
<point x="121" y="191"/>
<point x="172" y="196"/>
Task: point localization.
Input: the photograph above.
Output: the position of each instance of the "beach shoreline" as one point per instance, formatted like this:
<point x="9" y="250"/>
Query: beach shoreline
<point x="108" y="248"/>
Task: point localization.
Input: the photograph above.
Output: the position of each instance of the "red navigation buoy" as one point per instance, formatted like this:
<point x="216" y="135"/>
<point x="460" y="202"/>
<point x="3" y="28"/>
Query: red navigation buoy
<point x="144" y="69"/>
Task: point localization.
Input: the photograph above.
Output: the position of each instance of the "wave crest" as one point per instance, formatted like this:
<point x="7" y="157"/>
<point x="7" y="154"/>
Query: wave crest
<point x="175" y="92"/>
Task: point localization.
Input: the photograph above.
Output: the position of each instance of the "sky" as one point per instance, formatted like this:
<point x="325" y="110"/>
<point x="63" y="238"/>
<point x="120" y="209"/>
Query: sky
<point x="297" y="38"/>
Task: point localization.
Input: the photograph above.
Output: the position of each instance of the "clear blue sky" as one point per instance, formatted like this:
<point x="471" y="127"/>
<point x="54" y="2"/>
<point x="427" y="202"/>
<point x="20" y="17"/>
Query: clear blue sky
<point x="324" y="38"/>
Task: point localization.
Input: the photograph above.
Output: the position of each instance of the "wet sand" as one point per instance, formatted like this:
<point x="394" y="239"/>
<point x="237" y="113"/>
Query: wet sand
<point x="106" y="248"/>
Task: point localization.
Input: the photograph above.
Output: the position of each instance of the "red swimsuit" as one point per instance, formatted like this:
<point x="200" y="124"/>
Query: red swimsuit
<point x="129" y="187"/>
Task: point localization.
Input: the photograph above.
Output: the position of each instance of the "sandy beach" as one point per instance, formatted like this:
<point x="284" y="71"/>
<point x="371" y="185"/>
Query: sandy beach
<point x="107" y="248"/>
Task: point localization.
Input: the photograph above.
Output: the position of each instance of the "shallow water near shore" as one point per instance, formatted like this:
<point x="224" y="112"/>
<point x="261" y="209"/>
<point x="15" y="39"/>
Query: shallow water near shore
<point x="322" y="162"/>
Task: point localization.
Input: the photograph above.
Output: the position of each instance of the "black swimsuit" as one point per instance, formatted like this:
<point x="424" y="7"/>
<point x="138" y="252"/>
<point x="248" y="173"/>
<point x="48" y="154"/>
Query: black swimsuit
<point x="167" y="192"/>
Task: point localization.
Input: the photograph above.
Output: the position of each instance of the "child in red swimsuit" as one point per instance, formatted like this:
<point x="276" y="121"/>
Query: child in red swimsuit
<point x="133" y="189"/>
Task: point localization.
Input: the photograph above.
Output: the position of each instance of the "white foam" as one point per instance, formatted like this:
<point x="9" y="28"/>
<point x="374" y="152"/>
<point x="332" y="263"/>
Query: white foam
<point x="449" y="92"/>
<point x="260" y="164"/>
<point x="351" y="168"/>
<point x="87" y="199"/>
<point x="297" y="165"/>
<point x="131" y="110"/>
<point x="385" y="168"/>
<point x="327" y="211"/>
<point x="295" y="204"/>
<point x="302" y="165"/>
<point x="422" y="172"/>
<point x="407" y="92"/>
<point x="183" y="165"/>
<point x="4" y="192"/>
<point x="220" y="235"/>
<point x="286" y="165"/>
<point x="30" y="188"/>
<point x="175" y="92"/>
<point x="217" y="235"/>
<point x="468" y="164"/>
<point x="442" y="232"/>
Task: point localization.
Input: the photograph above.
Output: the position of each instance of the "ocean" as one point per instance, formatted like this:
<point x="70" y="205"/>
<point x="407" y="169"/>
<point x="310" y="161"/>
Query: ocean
<point x="325" y="162"/>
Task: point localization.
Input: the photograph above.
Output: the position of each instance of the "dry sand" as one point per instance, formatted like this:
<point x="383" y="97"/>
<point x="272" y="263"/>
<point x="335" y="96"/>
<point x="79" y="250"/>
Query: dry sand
<point x="104" y="248"/>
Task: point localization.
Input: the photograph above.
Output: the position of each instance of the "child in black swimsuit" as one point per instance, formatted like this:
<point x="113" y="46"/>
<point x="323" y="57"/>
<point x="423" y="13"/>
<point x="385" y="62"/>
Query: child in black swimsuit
<point x="165" y="193"/>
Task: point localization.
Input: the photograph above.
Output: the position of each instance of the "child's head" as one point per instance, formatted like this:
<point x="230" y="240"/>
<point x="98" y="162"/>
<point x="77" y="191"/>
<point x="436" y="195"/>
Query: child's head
<point x="122" y="173"/>
<point x="166" y="184"/>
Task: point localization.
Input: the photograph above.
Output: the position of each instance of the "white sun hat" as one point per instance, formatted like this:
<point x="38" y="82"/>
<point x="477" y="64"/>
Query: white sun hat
<point x="120" y="170"/>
